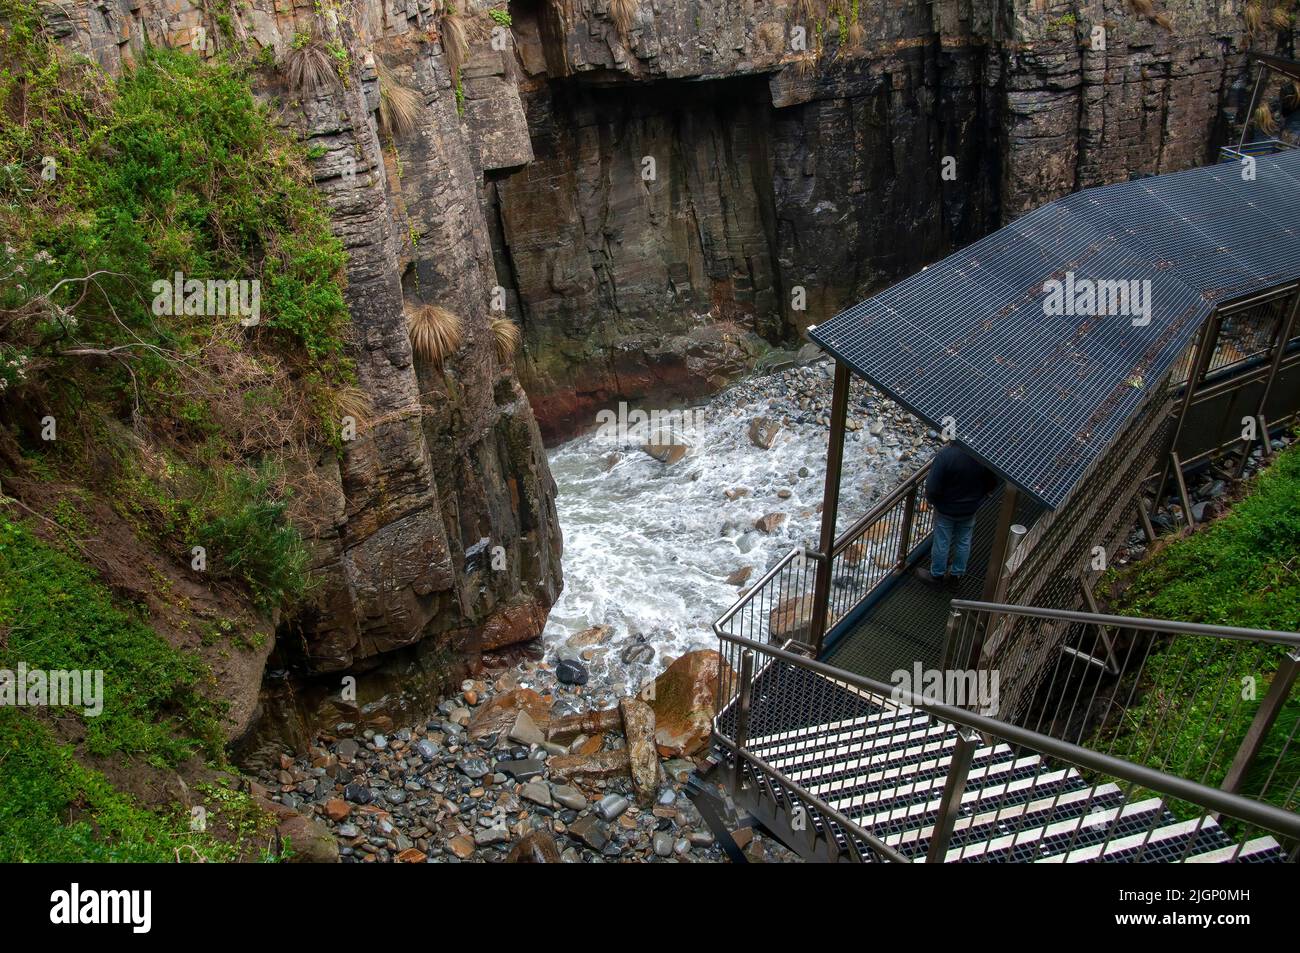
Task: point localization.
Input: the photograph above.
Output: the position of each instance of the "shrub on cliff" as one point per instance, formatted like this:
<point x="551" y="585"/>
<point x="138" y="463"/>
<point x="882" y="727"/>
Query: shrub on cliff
<point x="169" y="269"/>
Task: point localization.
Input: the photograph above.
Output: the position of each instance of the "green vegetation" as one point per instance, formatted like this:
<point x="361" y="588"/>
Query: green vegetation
<point x="501" y="16"/>
<point x="55" y="810"/>
<point x="55" y="615"/>
<point x="111" y="187"/>
<point x="184" y="419"/>
<point x="1242" y="570"/>
<point x="237" y="516"/>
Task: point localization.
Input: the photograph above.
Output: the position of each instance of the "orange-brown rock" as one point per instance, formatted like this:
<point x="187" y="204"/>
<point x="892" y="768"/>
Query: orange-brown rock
<point x="337" y="809"/>
<point x="595" y="767"/>
<point x="791" y="619"/>
<point x="684" y="696"/>
<point x="499" y="714"/>
<point x="513" y="623"/>
<point x="564" y="730"/>
<point x="535" y="848"/>
<point x="639" y="729"/>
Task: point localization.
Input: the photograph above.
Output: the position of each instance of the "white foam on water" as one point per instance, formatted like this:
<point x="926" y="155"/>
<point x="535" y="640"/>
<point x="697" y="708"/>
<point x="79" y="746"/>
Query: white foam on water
<point x="648" y="546"/>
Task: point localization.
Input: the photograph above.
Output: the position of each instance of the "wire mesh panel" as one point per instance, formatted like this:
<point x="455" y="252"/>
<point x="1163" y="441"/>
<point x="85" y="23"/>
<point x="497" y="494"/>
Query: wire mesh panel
<point x="1248" y="334"/>
<point x="1048" y="568"/>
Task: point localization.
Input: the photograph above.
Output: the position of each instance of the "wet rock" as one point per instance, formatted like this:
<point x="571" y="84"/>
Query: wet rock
<point x="590" y="830"/>
<point x="461" y="846"/>
<point x="519" y="621"/>
<point x="643" y="758"/>
<point x="358" y="793"/>
<point x="684" y="696"/>
<point x="525" y="730"/>
<point x="347" y="750"/>
<point x="791" y="619"/>
<point x="763" y="432"/>
<point x="472" y="767"/>
<point x="304" y="839"/>
<point x="569" y="797"/>
<point x="596" y="635"/>
<point x="663" y="844"/>
<point x="538" y="793"/>
<point x="537" y="847"/>
<point x="566" y="729"/>
<point x="599" y="766"/>
<point x="665" y="453"/>
<point x="735" y="494"/>
<point x="638" y="653"/>
<point x="612" y="806"/>
<point x="337" y="809"/>
<point x="495" y="834"/>
<point x="740" y="576"/>
<point x="522" y="769"/>
<point x="571" y="672"/>
<point x="498" y="715"/>
<point x="770" y="523"/>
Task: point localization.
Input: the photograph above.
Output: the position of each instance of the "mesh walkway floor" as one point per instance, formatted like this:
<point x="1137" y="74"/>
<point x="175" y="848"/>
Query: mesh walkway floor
<point x="906" y="624"/>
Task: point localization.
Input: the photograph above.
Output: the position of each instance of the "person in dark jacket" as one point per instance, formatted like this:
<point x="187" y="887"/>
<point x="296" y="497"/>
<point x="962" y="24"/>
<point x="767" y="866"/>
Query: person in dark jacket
<point x="956" y="486"/>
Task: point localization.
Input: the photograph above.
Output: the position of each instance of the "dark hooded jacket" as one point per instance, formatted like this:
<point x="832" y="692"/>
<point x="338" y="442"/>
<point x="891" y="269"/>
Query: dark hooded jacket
<point x="958" y="483"/>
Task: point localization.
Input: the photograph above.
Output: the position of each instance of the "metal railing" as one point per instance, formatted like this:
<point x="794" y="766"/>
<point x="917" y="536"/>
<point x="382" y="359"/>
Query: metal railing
<point x="1261" y="147"/>
<point x="778" y="711"/>
<point x="1200" y="701"/>
<point x="779" y="607"/>
<point x="879" y="545"/>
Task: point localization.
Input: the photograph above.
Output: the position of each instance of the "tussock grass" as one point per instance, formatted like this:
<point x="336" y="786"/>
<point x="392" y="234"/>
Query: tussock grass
<point x="623" y="13"/>
<point x="455" y="42"/>
<point x="350" y="401"/>
<point x="1253" y="14"/>
<point x="505" y="336"/>
<point x="398" y="105"/>
<point x="309" y="68"/>
<point x="1264" y="119"/>
<point x="435" y="333"/>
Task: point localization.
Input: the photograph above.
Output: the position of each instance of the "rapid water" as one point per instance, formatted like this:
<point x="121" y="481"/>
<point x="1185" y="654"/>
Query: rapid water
<point x="648" y="546"/>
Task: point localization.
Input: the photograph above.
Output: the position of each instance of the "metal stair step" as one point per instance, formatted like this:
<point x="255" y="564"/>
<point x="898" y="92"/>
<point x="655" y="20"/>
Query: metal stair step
<point x="899" y="819"/>
<point x="1168" y="842"/>
<point x="975" y="828"/>
<point x="883" y="750"/>
<point x="843" y="797"/>
<point x="1260" y="850"/>
<point x="1089" y="827"/>
<point x="918" y="763"/>
<point x="862" y="736"/>
<point x="815" y="732"/>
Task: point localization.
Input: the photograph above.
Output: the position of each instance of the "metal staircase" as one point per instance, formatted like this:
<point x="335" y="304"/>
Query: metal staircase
<point x="839" y="770"/>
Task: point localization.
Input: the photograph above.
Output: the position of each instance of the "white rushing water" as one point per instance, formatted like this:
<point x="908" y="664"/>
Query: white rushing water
<point x="648" y="546"/>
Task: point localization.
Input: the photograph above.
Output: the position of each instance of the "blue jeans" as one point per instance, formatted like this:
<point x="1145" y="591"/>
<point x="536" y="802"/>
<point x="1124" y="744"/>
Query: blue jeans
<point x="951" y="535"/>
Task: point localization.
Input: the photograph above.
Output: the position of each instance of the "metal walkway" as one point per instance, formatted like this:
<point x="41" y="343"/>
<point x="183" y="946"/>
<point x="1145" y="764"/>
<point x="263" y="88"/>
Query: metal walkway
<point x="906" y="622"/>
<point x="843" y="767"/>
<point x="885" y="768"/>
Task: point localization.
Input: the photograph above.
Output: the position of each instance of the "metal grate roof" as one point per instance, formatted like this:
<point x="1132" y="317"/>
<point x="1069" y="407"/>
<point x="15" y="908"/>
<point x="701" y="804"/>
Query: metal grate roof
<point x="1040" y="397"/>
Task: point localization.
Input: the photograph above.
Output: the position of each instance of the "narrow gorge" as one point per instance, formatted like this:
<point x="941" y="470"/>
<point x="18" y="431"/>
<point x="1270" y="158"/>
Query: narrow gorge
<point x="658" y="199"/>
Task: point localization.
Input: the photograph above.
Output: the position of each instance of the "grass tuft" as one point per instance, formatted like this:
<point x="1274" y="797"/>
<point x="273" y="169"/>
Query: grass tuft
<point x="309" y="67"/>
<point x="505" y="336"/>
<point x="399" y="106"/>
<point x="623" y="13"/>
<point x="435" y="333"/>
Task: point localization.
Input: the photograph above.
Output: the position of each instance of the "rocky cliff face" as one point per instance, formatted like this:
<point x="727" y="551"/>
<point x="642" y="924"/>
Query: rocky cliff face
<point x="441" y="520"/>
<point x="698" y="180"/>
